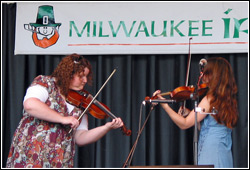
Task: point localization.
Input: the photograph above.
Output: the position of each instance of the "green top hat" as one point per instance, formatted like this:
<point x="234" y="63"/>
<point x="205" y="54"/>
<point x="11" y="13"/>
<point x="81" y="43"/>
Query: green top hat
<point x="45" y="17"/>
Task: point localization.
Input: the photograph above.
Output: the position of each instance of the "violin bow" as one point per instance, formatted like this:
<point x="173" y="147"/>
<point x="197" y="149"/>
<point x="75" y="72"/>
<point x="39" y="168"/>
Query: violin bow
<point x="86" y="109"/>
<point x="189" y="61"/>
<point x="187" y="75"/>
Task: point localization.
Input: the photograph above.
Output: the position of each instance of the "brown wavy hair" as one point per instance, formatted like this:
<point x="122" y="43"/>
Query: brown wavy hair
<point x="223" y="90"/>
<point x="70" y="65"/>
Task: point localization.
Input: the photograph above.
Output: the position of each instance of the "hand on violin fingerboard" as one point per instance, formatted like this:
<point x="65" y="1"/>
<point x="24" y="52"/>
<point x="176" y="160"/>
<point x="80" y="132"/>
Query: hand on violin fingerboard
<point x="115" y="123"/>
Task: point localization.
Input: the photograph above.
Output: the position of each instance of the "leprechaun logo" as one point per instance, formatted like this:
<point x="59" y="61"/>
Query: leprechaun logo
<point x="45" y="32"/>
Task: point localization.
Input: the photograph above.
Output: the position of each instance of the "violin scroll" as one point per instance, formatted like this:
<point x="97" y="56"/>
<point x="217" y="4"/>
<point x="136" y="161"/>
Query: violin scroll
<point x="126" y="131"/>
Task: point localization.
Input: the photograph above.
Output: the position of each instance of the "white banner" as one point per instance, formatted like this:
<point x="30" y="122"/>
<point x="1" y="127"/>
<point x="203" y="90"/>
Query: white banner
<point x="131" y="27"/>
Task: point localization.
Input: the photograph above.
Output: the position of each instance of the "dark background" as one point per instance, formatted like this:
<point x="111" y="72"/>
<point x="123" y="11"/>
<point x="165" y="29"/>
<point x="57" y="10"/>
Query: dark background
<point x="137" y="76"/>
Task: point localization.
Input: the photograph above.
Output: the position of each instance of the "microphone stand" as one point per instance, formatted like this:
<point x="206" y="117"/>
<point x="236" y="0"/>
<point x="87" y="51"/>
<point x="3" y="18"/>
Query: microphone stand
<point x="195" y="133"/>
<point x="131" y="153"/>
<point x="195" y="96"/>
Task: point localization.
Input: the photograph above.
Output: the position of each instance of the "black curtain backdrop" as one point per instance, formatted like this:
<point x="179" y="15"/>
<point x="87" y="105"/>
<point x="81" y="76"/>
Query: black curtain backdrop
<point x="137" y="76"/>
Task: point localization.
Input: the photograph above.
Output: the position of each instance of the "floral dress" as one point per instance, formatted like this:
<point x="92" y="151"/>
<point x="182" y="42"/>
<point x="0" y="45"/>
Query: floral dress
<point x="42" y="144"/>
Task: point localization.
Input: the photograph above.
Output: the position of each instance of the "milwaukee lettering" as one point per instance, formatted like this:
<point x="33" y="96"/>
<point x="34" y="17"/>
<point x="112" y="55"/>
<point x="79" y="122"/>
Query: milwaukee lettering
<point x="190" y="28"/>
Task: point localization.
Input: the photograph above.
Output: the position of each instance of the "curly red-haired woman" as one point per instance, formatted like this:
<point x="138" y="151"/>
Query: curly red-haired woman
<point x="41" y="139"/>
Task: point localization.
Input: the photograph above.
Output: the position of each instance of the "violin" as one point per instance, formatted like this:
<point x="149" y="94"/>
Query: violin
<point x="182" y="93"/>
<point x="82" y="99"/>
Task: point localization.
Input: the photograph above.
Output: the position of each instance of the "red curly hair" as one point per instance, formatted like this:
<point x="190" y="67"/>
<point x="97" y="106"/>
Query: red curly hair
<point x="70" y="65"/>
<point x="223" y="90"/>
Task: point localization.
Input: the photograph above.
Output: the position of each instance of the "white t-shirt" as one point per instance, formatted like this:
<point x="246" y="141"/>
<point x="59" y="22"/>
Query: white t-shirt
<point x="42" y="94"/>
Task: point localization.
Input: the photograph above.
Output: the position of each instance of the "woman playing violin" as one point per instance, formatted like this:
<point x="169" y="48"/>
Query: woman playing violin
<point x="41" y="138"/>
<point x="215" y="142"/>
